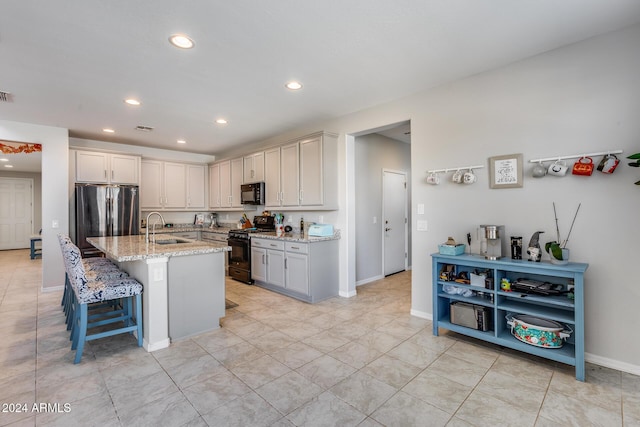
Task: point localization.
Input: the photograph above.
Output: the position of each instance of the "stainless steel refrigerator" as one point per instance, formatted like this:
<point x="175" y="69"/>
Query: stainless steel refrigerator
<point x="105" y="210"/>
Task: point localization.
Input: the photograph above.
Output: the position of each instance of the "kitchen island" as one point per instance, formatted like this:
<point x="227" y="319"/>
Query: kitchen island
<point x="183" y="279"/>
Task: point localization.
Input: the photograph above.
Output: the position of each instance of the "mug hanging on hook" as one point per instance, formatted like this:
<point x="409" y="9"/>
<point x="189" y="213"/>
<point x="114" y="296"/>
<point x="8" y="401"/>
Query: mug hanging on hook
<point x="458" y="177"/>
<point x="608" y="164"/>
<point x="469" y="177"/>
<point x="539" y="170"/>
<point x="433" y="178"/>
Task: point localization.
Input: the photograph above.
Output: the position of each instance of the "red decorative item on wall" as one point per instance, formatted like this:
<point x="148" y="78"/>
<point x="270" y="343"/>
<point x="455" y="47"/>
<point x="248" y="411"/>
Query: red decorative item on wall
<point x="8" y="147"/>
<point x="584" y="166"/>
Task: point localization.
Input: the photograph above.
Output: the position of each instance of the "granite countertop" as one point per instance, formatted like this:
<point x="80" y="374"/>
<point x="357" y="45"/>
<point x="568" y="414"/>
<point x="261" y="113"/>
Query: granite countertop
<point x="180" y="229"/>
<point x="295" y="237"/>
<point x="134" y="248"/>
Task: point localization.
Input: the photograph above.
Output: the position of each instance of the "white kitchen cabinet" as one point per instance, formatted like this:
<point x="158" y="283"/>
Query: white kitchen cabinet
<point x="196" y="177"/>
<point x="268" y="262"/>
<point x="307" y="178"/>
<point x="253" y="168"/>
<point x="297" y="272"/>
<point x="172" y="186"/>
<point x="290" y="175"/>
<point x="175" y="185"/>
<point x="307" y="271"/>
<point x="225" y="179"/>
<point x="107" y="168"/>
<point x="272" y="177"/>
<point x="214" y="186"/>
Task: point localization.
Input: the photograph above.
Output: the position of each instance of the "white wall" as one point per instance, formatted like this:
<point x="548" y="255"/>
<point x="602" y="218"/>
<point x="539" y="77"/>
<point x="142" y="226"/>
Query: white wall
<point x="55" y="194"/>
<point x="373" y="153"/>
<point x="581" y="98"/>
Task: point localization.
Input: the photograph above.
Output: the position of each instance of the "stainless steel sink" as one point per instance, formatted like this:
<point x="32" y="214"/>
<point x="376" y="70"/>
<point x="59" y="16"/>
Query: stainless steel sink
<point x="171" y="241"/>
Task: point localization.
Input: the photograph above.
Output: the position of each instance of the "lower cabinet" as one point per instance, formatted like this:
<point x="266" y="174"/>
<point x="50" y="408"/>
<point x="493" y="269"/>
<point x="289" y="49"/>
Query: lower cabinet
<point x="488" y="300"/>
<point x="306" y="271"/>
<point x="212" y="236"/>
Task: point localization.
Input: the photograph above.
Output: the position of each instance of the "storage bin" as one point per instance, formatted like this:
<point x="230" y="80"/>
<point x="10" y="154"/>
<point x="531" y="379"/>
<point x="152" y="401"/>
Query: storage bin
<point x="451" y="250"/>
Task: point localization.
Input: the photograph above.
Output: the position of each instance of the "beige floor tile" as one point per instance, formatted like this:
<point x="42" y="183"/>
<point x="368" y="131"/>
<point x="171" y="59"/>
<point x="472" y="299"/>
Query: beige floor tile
<point x="171" y="410"/>
<point x="214" y="392"/>
<point x="248" y="410"/>
<point x="192" y="371"/>
<point x="568" y="410"/>
<point x="326" y="410"/>
<point x="289" y="392"/>
<point x="405" y="410"/>
<point x="258" y="372"/>
<point x="237" y="354"/>
<point x="481" y="409"/>
<point x="178" y="352"/>
<point x="325" y="341"/>
<point x="296" y="355"/>
<point x="326" y="371"/>
<point x="414" y="354"/>
<point x="363" y="392"/>
<point x="355" y="354"/>
<point x="127" y="397"/>
<point x="438" y="391"/>
<point x="392" y="371"/>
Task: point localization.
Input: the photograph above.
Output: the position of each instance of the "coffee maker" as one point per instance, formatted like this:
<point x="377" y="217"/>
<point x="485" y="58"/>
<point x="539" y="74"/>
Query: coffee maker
<point x="493" y="244"/>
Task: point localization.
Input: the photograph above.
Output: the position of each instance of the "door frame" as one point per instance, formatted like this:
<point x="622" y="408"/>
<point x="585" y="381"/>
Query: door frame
<point x="406" y="219"/>
<point x="31" y="185"/>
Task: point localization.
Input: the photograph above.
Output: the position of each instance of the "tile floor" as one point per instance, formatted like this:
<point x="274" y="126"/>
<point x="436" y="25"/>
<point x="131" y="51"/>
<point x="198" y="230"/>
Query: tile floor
<point x="279" y="362"/>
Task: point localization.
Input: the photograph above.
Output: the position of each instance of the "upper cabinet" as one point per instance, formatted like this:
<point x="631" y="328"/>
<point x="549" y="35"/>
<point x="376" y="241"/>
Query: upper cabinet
<point x="254" y="168"/>
<point x="107" y="168"/>
<point x="225" y="179"/>
<point x="299" y="175"/>
<point x="172" y="186"/>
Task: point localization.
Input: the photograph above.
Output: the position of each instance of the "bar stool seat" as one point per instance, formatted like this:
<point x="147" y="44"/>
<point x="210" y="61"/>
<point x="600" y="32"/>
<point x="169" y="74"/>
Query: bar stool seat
<point x="35" y="251"/>
<point x="98" y="290"/>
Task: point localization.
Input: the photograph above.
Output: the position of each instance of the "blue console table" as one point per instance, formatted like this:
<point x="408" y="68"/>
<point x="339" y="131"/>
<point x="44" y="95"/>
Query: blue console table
<point x="35" y="251"/>
<point x="499" y="303"/>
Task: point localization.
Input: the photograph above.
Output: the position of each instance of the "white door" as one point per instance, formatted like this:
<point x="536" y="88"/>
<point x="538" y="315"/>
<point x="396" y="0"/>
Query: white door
<point x="394" y="214"/>
<point x="16" y="212"/>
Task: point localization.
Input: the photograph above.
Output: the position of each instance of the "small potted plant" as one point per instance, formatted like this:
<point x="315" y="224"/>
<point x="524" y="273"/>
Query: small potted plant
<point x="557" y="249"/>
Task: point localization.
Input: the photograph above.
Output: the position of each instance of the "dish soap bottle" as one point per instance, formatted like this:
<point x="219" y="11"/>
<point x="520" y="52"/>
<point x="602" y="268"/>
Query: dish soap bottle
<point x="301" y="225"/>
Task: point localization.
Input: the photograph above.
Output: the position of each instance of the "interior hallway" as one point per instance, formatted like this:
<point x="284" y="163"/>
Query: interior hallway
<point x="276" y="361"/>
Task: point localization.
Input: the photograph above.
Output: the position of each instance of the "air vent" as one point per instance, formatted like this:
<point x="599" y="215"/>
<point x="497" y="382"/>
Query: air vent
<point x="5" y="96"/>
<point x="144" y="128"/>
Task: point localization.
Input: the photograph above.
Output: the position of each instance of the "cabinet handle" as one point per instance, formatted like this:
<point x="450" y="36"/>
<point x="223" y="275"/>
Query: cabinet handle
<point x="105" y="174"/>
<point x="285" y="263"/>
<point x="263" y="259"/>
<point x="295" y="247"/>
<point x="273" y="246"/>
<point x="282" y="196"/>
<point x="160" y="200"/>
<point x="301" y="195"/>
<point x="112" y="175"/>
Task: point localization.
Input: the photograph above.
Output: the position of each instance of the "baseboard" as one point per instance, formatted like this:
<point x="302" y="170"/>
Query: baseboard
<point x="369" y="280"/>
<point x="347" y="294"/>
<point x="613" y="364"/>
<point x="421" y="314"/>
<point x="52" y="288"/>
<point x="156" y="346"/>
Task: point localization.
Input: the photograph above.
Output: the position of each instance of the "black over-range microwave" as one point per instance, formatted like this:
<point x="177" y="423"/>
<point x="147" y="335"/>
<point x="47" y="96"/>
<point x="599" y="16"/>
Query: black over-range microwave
<point x="252" y="194"/>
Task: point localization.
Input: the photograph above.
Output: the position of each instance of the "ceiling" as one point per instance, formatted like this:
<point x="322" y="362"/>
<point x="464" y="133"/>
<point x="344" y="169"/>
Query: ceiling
<point x="72" y="63"/>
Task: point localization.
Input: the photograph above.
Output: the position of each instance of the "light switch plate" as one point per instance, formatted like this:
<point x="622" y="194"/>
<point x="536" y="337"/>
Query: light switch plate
<point x="422" y="225"/>
<point x="420" y="208"/>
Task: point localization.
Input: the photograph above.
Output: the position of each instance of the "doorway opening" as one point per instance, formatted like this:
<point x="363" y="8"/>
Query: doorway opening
<point x="376" y="152"/>
<point x="16" y="212"/>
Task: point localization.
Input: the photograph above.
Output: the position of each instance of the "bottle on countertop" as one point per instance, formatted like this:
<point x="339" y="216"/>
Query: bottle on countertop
<point x="301" y="225"/>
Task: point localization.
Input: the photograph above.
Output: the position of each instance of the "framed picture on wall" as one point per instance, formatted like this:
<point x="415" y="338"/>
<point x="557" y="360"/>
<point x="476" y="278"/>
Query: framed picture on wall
<point x="505" y="171"/>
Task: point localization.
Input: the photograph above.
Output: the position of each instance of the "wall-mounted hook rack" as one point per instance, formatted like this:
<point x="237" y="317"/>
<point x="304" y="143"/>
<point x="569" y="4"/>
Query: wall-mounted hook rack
<point x="575" y="156"/>
<point x="455" y="169"/>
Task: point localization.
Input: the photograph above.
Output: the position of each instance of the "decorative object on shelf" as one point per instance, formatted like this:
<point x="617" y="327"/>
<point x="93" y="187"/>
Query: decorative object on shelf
<point x="505" y="171"/>
<point x="534" y="251"/>
<point x="516" y="247"/>
<point x="457" y="177"/>
<point x="635" y="164"/>
<point x="433" y="178"/>
<point x="584" y="166"/>
<point x="539" y="170"/>
<point x="557" y="249"/>
<point x="558" y="168"/>
<point x="538" y="331"/>
<point x="608" y="164"/>
<point x="450" y="247"/>
<point x="469" y="177"/>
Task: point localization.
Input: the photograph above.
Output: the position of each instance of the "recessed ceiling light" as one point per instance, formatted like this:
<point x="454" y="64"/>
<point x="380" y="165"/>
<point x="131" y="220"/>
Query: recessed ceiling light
<point x="221" y="121"/>
<point x="181" y="41"/>
<point x="4" y="160"/>
<point x="8" y="166"/>
<point x="181" y="141"/>
<point x="294" y="85"/>
<point x="107" y="130"/>
<point x="132" y="101"/>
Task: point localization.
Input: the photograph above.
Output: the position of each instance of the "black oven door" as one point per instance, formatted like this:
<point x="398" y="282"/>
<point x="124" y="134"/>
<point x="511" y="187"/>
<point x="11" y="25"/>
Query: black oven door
<point x="240" y="255"/>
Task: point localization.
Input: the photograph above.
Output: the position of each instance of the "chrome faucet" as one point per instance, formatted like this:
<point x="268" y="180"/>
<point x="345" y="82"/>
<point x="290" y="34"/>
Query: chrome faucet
<point x="154" y="226"/>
